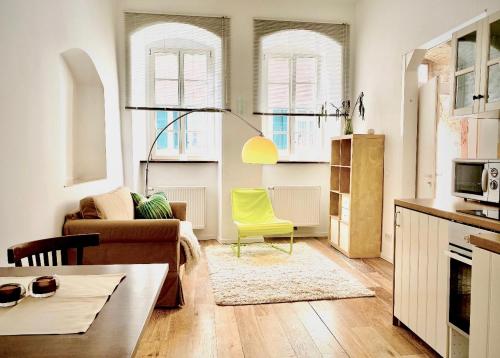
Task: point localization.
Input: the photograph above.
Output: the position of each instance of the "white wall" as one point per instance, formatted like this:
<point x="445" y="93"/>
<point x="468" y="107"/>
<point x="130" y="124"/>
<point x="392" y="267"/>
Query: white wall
<point x="303" y="175"/>
<point x="33" y="34"/>
<point x="232" y="172"/>
<point x="385" y="30"/>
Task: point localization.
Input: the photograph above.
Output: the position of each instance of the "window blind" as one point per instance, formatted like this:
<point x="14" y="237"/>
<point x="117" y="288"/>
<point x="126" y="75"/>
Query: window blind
<point x="298" y="66"/>
<point x="177" y="62"/>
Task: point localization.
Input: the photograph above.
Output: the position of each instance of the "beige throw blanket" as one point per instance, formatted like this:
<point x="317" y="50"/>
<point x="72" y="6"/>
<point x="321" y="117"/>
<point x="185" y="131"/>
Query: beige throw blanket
<point x="190" y="244"/>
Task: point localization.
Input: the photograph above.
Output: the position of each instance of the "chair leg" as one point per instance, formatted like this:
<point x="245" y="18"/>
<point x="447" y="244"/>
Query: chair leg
<point x="291" y="243"/>
<point x="238" y="249"/>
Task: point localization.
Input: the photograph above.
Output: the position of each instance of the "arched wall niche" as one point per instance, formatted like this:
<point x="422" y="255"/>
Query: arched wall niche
<point x="83" y="118"/>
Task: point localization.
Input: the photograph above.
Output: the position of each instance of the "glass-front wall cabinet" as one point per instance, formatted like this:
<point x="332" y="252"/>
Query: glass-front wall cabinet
<point x="491" y="64"/>
<point x="467" y="69"/>
<point x="476" y="68"/>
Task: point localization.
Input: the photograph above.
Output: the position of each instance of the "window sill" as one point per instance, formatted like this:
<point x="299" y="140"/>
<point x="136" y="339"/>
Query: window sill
<point x="178" y="161"/>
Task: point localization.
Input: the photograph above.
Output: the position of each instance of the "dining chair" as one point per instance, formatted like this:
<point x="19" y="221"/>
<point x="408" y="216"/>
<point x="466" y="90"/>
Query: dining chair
<point x="253" y="215"/>
<point x="36" y="250"/>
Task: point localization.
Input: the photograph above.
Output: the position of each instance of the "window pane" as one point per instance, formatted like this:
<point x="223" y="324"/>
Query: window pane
<point x="195" y="67"/>
<point x="195" y="93"/>
<point x="495" y="39"/>
<point x="168" y="143"/>
<point x="466" y="51"/>
<point x="166" y="66"/>
<point x="278" y="96"/>
<point x="167" y="92"/>
<point x="280" y="130"/>
<point x="280" y="124"/>
<point x="306" y="137"/>
<point x="305" y="96"/>
<point x="198" y="132"/>
<point x="278" y="70"/>
<point x="306" y="70"/>
<point x="281" y="141"/>
<point x="464" y="90"/>
<point x="494" y="83"/>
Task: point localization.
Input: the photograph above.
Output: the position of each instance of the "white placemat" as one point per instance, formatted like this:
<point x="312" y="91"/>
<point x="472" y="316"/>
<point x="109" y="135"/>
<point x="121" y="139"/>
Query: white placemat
<point x="71" y="310"/>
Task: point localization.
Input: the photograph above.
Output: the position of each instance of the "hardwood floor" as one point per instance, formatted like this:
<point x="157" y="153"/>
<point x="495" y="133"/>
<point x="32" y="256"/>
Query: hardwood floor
<point x="358" y="327"/>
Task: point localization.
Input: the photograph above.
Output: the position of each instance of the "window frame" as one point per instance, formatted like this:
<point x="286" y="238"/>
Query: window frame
<point x="181" y="155"/>
<point x="290" y="154"/>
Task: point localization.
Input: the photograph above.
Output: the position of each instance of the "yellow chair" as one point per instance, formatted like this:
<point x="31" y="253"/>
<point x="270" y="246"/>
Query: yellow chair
<point x="253" y="215"/>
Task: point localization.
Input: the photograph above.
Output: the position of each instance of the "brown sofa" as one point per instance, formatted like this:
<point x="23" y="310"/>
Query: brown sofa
<point x="136" y="241"/>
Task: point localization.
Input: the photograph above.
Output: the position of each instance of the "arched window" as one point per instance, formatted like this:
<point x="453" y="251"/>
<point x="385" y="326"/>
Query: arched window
<point x="178" y="63"/>
<point x="299" y="67"/>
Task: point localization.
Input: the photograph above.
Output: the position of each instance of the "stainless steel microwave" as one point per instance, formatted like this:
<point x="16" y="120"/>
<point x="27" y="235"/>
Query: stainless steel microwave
<point x="477" y="179"/>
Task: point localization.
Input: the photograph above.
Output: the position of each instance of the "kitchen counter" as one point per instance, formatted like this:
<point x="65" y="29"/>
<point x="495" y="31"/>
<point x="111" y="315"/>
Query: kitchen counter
<point x="490" y="242"/>
<point x="447" y="209"/>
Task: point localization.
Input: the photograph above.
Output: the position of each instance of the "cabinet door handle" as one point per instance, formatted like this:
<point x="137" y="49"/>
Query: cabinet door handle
<point x="397" y="219"/>
<point x="479" y="96"/>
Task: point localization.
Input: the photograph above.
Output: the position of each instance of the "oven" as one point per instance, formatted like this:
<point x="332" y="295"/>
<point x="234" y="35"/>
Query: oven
<point x="460" y="275"/>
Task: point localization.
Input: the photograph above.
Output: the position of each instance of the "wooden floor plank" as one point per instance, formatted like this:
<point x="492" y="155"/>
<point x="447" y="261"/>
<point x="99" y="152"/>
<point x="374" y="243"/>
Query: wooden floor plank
<point x="359" y="327"/>
<point x="323" y="338"/>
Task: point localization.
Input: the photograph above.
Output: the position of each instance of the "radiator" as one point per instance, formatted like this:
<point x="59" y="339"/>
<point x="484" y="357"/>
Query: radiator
<point x="299" y="204"/>
<point x="194" y="196"/>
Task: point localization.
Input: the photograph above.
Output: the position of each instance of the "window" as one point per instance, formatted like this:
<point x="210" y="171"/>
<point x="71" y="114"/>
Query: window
<point x="182" y="78"/>
<point x="292" y="85"/>
<point x="177" y="63"/>
<point x="298" y="67"/>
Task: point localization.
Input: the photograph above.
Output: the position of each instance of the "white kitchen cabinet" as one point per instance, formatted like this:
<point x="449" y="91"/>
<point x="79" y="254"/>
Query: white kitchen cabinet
<point x="484" y="340"/>
<point x="421" y="276"/>
<point x="476" y="69"/>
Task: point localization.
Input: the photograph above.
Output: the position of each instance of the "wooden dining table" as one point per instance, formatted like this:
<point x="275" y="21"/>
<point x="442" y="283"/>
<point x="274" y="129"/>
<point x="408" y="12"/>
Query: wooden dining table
<point x="118" y="327"/>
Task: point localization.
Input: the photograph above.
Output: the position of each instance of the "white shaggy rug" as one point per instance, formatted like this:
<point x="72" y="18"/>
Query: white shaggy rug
<point x="265" y="275"/>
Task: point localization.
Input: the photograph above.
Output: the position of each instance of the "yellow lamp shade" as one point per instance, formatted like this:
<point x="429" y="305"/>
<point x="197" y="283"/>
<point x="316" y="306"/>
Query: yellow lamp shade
<point x="259" y="150"/>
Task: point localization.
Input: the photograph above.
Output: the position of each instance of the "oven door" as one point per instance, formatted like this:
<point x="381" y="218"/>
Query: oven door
<point x="459" y="291"/>
<point x="470" y="179"/>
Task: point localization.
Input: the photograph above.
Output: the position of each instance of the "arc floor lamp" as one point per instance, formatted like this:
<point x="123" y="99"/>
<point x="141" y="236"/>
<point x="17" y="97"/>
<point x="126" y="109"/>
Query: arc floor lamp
<point x="256" y="150"/>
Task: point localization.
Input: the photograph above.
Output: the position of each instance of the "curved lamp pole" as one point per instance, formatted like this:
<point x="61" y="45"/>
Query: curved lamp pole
<point x="257" y="150"/>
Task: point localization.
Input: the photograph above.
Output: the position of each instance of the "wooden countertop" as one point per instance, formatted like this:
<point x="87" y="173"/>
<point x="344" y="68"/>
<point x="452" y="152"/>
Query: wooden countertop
<point x="490" y="242"/>
<point x="447" y="209"/>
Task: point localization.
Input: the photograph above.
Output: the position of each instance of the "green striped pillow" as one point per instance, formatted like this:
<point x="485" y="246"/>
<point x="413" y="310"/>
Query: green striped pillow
<point x="154" y="207"/>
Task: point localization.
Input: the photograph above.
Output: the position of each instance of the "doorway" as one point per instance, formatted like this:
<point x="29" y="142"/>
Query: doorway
<point x="439" y="137"/>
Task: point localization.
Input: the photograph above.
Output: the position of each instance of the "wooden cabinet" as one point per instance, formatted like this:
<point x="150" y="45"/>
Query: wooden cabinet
<point x="484" y="340"/>
<point x="356" y="186"/>
<point x="421" y="276"/>
<point x="476" y="69"/>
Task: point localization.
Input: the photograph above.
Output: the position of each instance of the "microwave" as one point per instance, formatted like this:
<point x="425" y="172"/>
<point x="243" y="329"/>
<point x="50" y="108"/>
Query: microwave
<point x="477" y="179"/>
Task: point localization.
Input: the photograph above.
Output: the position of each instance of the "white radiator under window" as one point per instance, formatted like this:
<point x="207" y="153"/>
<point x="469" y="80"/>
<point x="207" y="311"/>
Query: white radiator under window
<point x="299" y="204"/>
<point x="194" y="196"/>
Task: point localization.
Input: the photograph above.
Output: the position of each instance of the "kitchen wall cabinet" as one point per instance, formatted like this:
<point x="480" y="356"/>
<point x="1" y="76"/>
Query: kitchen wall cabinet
<point x="421" y="276"/>
<point x="484" y="339"/>
<point x="476" y="69"/>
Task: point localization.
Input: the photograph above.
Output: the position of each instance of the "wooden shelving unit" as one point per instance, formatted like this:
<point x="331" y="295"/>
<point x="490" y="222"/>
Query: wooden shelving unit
<point x="356" y="188"/>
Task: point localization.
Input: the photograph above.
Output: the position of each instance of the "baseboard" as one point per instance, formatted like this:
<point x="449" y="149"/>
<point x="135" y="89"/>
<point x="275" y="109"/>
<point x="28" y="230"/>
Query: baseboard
<point x="252" y="240"/>
<point x="206" y="237"/>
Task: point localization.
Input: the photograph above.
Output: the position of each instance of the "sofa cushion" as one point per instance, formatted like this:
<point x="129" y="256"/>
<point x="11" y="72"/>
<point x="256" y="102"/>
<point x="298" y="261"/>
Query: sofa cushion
<point x="115" y="205"/>
<point x="154" y="207"/>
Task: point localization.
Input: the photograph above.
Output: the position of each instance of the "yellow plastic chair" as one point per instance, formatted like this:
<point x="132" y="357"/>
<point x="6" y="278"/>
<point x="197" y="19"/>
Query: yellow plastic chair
<point x="253" y="215"/>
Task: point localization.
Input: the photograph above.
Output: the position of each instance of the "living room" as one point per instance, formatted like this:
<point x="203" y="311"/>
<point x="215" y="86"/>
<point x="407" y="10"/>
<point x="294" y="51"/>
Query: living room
<point x="307" y="115"/>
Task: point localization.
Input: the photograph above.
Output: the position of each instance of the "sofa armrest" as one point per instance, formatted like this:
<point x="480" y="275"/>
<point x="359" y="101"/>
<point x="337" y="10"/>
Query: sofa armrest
<point x="179" y="209"/>
<point x="126" y="231"/>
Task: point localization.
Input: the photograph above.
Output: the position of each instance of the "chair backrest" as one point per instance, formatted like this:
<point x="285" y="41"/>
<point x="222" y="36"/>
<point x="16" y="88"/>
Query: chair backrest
<point x="36" y="250"/>
<point x="251" y="205"/>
